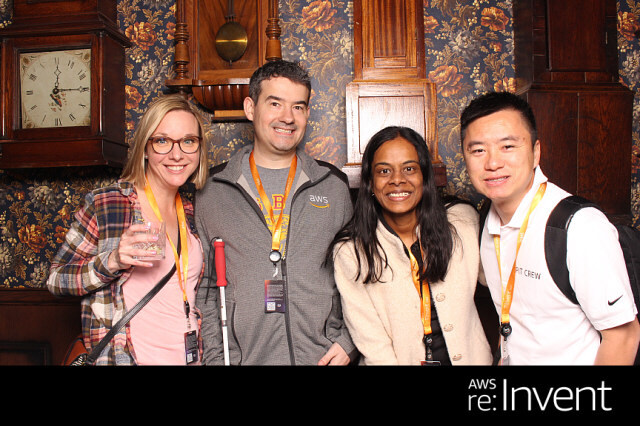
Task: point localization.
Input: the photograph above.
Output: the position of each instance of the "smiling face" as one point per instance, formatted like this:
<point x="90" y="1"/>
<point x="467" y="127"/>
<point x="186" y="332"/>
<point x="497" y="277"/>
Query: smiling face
<point x="397" y="180"/>
<point x="170" y="171"/>
<point x="501" y="159"/>
<point x="279" y="117"/>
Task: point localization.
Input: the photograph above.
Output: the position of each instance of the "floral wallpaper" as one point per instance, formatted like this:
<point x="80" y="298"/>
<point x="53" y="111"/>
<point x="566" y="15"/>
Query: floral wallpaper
<point x="629" y="69"/>
<point x="469" y="50"/>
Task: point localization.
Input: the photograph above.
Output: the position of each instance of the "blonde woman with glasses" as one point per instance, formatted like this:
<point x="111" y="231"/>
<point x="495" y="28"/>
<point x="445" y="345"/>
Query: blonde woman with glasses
<point x="111" y="258"/>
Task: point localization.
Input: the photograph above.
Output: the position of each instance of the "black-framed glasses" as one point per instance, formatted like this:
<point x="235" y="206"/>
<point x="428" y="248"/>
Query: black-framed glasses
<point x="164" y="144"/>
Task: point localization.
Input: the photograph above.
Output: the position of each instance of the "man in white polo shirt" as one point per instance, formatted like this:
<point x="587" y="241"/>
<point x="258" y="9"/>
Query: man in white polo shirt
<point x="539" y="324"/>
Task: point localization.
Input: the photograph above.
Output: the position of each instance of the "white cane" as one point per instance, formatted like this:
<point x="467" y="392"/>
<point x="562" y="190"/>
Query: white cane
<point x="221" y="275"/>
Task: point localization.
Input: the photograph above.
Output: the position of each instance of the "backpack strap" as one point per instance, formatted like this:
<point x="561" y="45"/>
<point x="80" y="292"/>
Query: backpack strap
<point x="555" y="241"/>
<point x="483" y="212"/>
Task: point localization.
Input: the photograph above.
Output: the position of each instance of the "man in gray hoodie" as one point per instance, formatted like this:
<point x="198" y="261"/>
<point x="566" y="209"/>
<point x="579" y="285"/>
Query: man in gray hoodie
<point x="277" y="210"/>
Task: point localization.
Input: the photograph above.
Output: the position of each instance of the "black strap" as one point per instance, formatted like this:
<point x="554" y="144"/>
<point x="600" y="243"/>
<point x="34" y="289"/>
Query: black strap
<point x="483" y="213"/>
<point x="97" y="350"/>
<point x="555" y="241"/>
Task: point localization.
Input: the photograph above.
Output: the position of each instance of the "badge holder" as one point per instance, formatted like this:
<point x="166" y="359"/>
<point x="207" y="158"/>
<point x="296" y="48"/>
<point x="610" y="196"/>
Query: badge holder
<point x="191" y="346"/>
<point x="505" y="331"/>
<point x="274" y="296"/>
<point x="429" y="361"/>
<point x="275" y="257"/>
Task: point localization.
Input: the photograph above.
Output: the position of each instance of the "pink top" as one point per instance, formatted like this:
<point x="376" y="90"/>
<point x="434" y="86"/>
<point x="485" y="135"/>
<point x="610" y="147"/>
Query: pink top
<point x="158" y="329"/>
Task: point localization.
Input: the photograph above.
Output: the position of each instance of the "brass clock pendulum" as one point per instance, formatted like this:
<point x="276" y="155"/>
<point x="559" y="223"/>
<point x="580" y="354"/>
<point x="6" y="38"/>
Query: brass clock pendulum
<point x="231" y="39"/>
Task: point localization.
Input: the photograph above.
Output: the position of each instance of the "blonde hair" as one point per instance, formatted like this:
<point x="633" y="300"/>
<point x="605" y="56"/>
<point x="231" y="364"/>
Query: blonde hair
<point x="135" y="169"/>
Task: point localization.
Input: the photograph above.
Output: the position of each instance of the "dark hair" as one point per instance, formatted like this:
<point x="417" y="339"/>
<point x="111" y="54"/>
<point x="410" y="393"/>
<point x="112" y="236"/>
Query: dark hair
<point x="278" y="68"/>
<point x="497" y="101"/>
<point x="435" y="233"/>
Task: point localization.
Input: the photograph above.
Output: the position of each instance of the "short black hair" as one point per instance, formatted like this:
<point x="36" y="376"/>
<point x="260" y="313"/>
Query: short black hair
<point x="278" y="68"/>
<point x="498" y="101"/>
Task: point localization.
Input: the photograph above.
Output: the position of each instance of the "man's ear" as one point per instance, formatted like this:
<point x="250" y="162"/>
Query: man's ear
<point x="248" y="107"/>
<point x="536" y="153"/>
<point x="308" y="107"/>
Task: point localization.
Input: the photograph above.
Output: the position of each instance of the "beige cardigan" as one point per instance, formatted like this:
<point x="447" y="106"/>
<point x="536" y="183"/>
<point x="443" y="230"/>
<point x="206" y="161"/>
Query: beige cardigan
<point x="384" y="317"/>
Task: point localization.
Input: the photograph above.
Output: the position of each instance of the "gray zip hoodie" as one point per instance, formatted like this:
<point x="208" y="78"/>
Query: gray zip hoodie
<point x="312" y="321"/>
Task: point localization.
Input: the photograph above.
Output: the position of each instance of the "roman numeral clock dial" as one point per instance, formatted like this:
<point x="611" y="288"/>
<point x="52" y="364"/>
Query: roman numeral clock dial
<point x="62" y="94"/>
<point x="55" y="88"/>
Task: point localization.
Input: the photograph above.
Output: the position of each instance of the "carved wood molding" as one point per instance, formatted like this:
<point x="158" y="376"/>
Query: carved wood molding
<point x="221" y="87"/>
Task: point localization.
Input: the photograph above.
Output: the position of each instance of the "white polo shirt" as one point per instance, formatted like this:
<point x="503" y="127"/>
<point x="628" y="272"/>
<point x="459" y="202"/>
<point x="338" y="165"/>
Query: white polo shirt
<point x="548" y="329"/>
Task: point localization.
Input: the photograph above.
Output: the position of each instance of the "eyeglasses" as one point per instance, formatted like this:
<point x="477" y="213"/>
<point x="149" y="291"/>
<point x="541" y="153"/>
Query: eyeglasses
<point x="164" y="144"/>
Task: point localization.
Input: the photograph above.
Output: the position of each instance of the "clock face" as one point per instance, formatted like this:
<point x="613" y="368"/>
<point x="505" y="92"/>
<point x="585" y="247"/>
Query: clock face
<point x="55" y="88"/>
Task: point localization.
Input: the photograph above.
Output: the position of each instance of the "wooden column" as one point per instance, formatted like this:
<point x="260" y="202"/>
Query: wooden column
<point x="389" y="86"/>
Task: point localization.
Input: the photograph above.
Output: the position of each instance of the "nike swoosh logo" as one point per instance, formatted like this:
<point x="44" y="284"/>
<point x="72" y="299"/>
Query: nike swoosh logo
<point x="611" y="303"/>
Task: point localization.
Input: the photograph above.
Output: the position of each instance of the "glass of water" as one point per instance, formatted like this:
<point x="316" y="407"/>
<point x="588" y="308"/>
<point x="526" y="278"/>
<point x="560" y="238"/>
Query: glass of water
<point x="156" y="248"/>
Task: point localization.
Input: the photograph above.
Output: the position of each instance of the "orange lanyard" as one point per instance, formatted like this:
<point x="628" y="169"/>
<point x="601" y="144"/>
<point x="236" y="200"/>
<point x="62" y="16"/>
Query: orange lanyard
<point x="184" y="249"/>
<point x="507" y="293"/>
<point x="276" y="234"/>
<point x="423" y="292"/>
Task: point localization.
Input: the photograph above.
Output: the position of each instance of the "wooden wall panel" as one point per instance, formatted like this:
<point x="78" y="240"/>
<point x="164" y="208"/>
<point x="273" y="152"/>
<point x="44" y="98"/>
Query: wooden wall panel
<point x="567" y="67"/>
<point x="586" y="143"/>
<point x="385" y="40"/>
<point x="390" y="86"/>
<point x="36" y="328"/>
<point x="374" y="105"/>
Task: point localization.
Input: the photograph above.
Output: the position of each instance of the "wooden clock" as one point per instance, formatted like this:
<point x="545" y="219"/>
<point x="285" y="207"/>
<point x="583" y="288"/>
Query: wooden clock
<point x="55" y="88"/>
<point x="216" y="65"/>
<point x="62" y="85"/>
<point x="566" y="57"/>
<point x="389" y="85"/>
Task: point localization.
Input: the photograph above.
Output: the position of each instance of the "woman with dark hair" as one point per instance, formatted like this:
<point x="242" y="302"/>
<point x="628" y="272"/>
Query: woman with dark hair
<point x="406" y="265"/>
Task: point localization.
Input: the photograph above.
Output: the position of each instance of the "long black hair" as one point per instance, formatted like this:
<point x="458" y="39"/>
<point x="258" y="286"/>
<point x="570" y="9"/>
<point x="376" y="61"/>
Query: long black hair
<point x="435" y="231"/>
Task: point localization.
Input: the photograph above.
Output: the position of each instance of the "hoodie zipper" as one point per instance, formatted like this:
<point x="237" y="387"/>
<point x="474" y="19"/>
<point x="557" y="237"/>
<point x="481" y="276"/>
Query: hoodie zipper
<point x="283" y="262"/>
<point x="283" y="265"/>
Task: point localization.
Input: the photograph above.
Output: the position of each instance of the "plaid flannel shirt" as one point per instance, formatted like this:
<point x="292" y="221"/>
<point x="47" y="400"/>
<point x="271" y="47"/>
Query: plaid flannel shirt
<point x="80" y="266"/>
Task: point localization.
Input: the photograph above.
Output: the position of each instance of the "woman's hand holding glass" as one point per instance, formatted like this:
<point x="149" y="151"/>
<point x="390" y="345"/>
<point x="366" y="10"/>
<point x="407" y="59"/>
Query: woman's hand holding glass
<point x="139" y="244"/>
